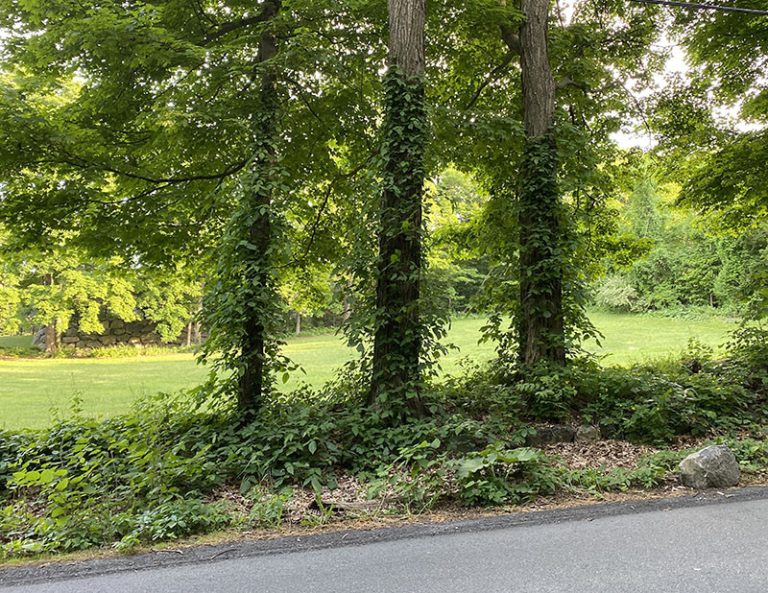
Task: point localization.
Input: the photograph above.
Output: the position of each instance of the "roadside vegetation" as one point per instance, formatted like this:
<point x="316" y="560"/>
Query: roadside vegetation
<point x="172" y="469"/>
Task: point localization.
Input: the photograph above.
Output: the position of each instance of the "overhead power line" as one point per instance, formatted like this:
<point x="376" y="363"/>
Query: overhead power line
<point x="697" y="6"/>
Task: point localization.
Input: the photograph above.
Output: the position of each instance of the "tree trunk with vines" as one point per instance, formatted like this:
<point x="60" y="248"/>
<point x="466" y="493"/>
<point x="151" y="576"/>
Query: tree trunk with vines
<point x="540" y="321"/>
<point x="252" y="380"/>
<point x="397" y="337"/>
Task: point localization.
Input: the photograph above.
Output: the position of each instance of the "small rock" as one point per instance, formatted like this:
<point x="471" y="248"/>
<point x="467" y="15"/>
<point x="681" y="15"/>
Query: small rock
<point x="587" y="434"/>
<point x="712" y="467"/>
<point x="549" y="435"/>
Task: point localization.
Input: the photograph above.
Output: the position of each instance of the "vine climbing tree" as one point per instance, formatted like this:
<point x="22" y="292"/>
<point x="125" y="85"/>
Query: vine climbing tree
<point x="242" y="308"/>
<point x="398" y="333"/>
<point x="540" y="311"/>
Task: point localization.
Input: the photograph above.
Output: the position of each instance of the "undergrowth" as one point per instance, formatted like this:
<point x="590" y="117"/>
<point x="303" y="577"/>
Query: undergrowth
<point x="159" y="473"/>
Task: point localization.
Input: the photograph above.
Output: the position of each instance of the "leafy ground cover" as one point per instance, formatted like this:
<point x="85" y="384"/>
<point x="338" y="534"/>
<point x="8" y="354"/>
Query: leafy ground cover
<point x="34" y="392"/>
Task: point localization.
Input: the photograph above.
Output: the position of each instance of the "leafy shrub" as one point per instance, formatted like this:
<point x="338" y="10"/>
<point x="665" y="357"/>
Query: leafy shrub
<point x="171" y="520"/>
<point x="10" y="447"/>
<point x="748" y="358"/>
<point x="268" y="506"/>
<point x="651" y="471"/>
<point x="418" y="477"/>
<point x="497" y="475"/>
<point x="649" y="404"/>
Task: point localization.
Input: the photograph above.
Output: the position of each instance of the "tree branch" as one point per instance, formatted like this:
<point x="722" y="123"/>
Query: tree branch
<point x="567" y="81"/>
<point x="226" y="28"/>
<point x="326" y="199"/>
<point x="492" y="76"/>
<point x="84" y="164"/>
<point x="511" y="38"/>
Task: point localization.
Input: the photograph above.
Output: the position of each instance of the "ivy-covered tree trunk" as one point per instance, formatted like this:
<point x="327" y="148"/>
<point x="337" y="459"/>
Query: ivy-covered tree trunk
<point x="258" y="197"/>
<point x="397" y="337"/>
<point x="540" y="317"/>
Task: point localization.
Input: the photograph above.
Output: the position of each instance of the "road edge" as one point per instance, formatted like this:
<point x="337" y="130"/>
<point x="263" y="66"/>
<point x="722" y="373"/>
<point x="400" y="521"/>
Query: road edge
<point x="23" y="575"/>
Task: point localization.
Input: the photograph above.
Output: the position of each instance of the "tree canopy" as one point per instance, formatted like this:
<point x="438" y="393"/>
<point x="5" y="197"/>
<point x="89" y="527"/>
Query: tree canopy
<point x="281" y="145"/>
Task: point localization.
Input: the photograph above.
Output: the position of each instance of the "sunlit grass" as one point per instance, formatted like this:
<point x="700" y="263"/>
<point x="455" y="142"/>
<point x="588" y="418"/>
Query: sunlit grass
<point x="33" y="392"/>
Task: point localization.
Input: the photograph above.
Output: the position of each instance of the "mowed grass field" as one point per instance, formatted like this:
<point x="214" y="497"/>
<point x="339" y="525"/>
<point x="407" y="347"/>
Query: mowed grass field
<point x="34" y="392"/>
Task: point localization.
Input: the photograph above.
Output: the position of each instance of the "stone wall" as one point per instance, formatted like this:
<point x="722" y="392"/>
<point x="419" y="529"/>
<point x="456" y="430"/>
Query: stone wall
<point x="116" y="333"/>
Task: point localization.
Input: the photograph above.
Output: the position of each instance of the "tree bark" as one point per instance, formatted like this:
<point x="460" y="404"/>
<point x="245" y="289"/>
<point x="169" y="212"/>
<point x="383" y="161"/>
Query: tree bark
<point x="406" y="36"/>
<point x="198" y="326"/>
<point x="298" y="323"/>
<point x="51" y="338"/>
<point x="540" y="317"/>
<point x="397" y="336"/>
<point x="252" y="384"/>
<point x="536" y="73"/>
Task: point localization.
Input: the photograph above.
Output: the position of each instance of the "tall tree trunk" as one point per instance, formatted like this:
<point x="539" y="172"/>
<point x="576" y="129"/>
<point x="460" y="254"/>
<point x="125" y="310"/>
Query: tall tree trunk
<point x="298" y="323"/>
<point x="252" y="380"/>
<point x="397" y="337"/>
<point x="540" y="317"/>
<point x="51" y="338"/>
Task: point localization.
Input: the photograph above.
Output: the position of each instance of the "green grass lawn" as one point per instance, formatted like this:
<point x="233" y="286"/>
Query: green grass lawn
<point x="20" y="342"/>
<point x="33" y="392"/>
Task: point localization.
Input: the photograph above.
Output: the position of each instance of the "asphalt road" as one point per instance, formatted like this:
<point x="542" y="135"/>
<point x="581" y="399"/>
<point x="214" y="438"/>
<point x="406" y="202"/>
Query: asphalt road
<point x="719" y="548"/>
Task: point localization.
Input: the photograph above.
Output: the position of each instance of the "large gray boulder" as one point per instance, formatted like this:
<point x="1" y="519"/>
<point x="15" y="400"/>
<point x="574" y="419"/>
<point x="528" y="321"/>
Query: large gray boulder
<point x="587" y="434"/>
<point x="712" y="467"/>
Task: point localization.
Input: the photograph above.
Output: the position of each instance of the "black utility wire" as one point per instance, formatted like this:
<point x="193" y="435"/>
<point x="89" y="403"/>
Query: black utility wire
<point x="695" y="6"/>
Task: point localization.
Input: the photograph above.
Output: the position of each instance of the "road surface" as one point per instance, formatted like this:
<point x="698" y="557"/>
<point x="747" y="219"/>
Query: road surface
<point x="716" y="548"/>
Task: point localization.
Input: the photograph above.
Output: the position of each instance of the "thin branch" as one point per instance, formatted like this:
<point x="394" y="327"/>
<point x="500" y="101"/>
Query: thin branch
<point x="200" y="11"/>
<point x="511" y="38"/>
<point x="492" y="76"/>
<point x="638" y="105"/>
<point x="84" y="164"/>
<point x="302" y="94"/>
<point x="176" y="84"/>
<point x="326" y="199"/>
<point x="567" y="81"/>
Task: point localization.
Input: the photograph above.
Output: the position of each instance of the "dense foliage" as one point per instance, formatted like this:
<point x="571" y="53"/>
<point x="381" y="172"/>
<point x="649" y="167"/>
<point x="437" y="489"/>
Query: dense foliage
<point x="58" y="288"/>
<point x="665" y="258"/>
